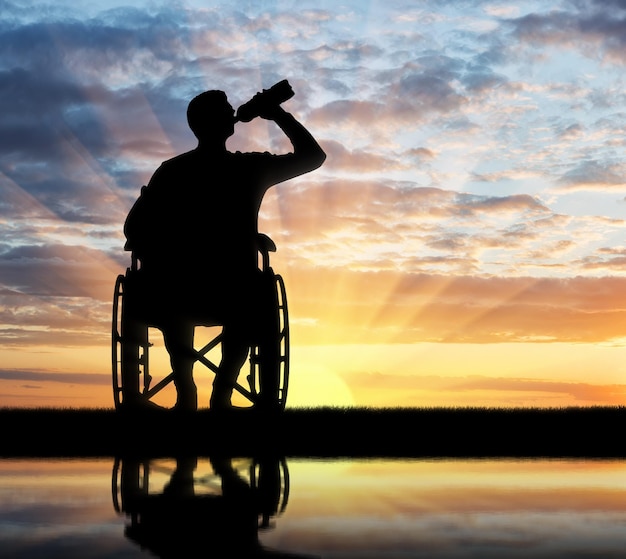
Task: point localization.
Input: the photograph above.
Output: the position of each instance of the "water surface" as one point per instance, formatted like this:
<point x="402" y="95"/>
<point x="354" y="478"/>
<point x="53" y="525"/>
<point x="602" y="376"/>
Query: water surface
<point x="97" y="508"/>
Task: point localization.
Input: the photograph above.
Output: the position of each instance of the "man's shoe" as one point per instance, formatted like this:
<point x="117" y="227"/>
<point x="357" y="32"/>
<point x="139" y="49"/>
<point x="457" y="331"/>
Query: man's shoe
<point x="217" y="405"/>
<point x="186" y="397"/>
<point x="140" y="404"/>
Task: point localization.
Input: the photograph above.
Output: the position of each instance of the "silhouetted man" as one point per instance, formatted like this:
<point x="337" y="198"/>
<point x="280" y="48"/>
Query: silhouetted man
<point x="194" y="229"/>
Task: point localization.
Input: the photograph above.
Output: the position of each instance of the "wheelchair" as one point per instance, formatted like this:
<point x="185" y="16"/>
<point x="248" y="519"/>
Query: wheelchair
<point x="134" y="386"/>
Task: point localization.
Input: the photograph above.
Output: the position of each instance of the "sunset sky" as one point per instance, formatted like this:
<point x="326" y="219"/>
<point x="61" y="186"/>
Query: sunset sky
<point x="462" y="245"/>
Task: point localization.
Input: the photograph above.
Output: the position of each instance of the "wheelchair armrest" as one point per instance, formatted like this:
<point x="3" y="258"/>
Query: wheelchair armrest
<point x="265" y="245"/>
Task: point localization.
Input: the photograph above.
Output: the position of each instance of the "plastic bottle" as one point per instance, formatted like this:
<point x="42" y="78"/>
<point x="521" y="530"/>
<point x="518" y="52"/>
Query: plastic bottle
<point x="275" y="95"/>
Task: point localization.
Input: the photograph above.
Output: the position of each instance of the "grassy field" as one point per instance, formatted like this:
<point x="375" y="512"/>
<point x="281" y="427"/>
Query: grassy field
<point x="319" y="432"/>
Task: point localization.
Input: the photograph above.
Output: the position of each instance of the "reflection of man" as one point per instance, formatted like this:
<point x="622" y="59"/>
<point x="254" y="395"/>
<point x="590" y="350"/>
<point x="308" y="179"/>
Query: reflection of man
<point x="181" y="522"/>
<point x="194" y="228"/>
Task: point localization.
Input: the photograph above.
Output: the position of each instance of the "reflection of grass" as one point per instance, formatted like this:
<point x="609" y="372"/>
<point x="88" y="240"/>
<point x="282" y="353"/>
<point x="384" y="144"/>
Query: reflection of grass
<point x="332" y="432"/>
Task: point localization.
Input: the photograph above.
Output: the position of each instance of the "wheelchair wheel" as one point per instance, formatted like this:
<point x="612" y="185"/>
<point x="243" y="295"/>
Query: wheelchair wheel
<point x="130" y="348"/>
<point x="129" y="483"/>
<point x="122" y="350"/>
<point x="269" y="477"/>
<point x="269" y="359"/>
<point x="116" y="336"/>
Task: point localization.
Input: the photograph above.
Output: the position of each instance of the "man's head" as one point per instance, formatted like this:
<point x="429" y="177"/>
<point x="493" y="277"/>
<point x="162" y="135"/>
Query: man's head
<point x="210" y="116"/>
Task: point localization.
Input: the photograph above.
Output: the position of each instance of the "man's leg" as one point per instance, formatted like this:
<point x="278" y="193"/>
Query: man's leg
<point x="234" y="354"/>
<point x="178" y="339"/>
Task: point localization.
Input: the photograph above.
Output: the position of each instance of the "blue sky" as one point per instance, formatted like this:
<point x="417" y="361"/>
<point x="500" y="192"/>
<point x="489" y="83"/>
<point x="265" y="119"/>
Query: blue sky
<point x="473" y="191"/>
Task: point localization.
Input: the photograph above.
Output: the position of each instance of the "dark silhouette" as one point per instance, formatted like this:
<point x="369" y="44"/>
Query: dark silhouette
<point x="583" y="432"/>
<point x="215" y="515"/>
<point x="194" y="230"/>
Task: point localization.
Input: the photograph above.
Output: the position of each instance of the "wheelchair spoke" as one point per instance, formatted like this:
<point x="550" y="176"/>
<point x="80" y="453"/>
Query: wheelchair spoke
<point x="209" y="364"/>
<point x="244" y="392"/>
<point x="159" y="386"/>
<point x="213" y="343"/>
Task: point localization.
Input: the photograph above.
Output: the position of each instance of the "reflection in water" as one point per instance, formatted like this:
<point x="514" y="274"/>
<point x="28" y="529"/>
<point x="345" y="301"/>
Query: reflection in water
<point x="451" y="509"/>
<point x="216" y="509"/>
<point x="456" y="509"/>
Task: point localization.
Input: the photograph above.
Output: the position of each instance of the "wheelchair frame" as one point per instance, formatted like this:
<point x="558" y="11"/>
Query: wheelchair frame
<point x="269" y="358"/>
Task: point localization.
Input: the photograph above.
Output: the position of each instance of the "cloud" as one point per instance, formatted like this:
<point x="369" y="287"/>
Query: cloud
<point x="25" y="375"/>
<point x="57" y="270"/>
<point x="606" y="259"/>
<point x="429" y="92"/>
<point x="572" y="132"/>
<point x="359" y="161"/>
<point x="407" y="389"/>
<point x="500" y="204"/>
<point x="591" y="175"/>
<point x="375" y="225"/>
<point x="580" y="392"/>
<point x="596" y="25"/>
<point x="422" y="154"/>
<point x="483" y="80"/>
<point x="29" y="320"/>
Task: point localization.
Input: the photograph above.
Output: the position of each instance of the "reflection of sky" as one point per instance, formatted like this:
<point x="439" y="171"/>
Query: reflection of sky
<point x="58" y="508"/>
<point x="437" y="508"/>
<point x="455" y="509"/>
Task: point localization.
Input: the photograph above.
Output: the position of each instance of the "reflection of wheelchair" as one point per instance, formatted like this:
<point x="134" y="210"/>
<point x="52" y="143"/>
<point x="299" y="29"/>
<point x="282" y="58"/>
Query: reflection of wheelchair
<point x="133" y="373"/>
<point x="204" y="506"/>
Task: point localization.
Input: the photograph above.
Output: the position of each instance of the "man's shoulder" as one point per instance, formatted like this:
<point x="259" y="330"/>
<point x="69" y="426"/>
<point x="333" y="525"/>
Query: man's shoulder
<point x="176" y="167"/>
<point x="191" y="163"/>
<point x="180" y="159"/>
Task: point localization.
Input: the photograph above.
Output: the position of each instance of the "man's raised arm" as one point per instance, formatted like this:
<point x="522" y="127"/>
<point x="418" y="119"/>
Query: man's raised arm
<point x="307" y="153"/>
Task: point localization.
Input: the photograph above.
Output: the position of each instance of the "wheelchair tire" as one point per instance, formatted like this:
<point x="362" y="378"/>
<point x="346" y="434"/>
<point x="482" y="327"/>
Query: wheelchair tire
<point x="129" y="349"/>
<point x="116" y="335"/>
<point x="269" y="359"/>
<point x="269" y="478"/>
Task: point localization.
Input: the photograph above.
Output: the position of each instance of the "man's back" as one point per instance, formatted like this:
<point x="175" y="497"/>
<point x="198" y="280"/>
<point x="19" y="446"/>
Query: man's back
<point x="201" y="208"/>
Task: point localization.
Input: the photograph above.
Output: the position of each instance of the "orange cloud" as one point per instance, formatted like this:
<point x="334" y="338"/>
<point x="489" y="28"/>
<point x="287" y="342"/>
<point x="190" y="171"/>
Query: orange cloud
<point x="373" y="386"/>
<point x="383" y="307"/>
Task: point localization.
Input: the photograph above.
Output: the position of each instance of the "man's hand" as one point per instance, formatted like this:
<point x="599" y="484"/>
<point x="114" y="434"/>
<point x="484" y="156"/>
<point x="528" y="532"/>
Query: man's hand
<point x="272" y="112"/>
